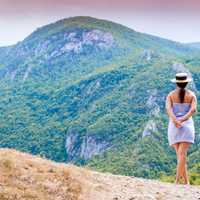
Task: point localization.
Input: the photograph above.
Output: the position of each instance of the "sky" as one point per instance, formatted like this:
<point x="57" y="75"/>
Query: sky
<point x="178" y="20"/>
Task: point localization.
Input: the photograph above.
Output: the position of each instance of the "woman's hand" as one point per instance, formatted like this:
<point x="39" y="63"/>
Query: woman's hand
<point x="178" y="123"/>
<point x="192" y="110"/>
<point x="181" y="119"/>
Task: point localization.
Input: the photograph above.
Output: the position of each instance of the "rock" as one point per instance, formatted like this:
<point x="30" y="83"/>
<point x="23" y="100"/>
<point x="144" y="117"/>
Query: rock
<point x="152" y="103"/>
<point x="93" y="145"/>
<point x="42" y="47"/>
<point x="76" y="47"/>
<point x="86" y="146"/>
<point x="28" y="70"/>
<point x="69" y="145"/>
<point x="148" y="54"/>
<point x="13" y="74"/>
<point x="103" y="39"/>
<point x="154" y="110"/>
<point x="149" y="128"/>
<point x="92" y="87"/>
<point x="94" y="38"/>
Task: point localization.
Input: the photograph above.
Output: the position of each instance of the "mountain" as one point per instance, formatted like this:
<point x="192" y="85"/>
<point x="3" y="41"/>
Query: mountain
<point x="194" y="45"/>
<point x="24" y="176"/>
<point x="63" y="48"/>
<point x="92" y="92"/>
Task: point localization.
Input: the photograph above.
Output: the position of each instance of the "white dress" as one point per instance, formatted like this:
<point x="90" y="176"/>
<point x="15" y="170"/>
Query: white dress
<point x="186" y="133"/>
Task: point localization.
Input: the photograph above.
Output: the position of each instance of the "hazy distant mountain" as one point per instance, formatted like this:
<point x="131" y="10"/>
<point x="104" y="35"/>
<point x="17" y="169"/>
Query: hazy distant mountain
<point x="92" y="92"/>
<point x="194" y="45"/>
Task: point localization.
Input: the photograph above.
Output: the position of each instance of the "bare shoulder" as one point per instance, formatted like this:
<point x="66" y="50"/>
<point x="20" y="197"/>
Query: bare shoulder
<point x="169" y="96"/>
<point x="191" y="93"/>
<point x="171" y="93"/>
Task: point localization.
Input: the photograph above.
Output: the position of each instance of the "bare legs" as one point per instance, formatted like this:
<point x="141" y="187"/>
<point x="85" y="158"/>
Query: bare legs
<point x="178" y="175"/>
<point x="183" y="148"/>
<point x="181" y="153"/>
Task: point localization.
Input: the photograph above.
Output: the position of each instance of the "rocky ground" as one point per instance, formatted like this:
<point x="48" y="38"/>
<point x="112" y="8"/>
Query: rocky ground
<point x="27" y="177"/>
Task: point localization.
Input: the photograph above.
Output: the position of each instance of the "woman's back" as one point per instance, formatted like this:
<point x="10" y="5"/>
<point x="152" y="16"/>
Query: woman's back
<point x="174" y="96"/>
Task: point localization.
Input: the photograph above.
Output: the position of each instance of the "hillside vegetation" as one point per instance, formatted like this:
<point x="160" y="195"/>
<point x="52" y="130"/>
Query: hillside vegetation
<point x="92" y="92"/>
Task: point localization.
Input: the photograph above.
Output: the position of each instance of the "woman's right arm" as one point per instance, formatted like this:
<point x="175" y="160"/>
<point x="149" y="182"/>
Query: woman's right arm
<point x="193" y="109"/>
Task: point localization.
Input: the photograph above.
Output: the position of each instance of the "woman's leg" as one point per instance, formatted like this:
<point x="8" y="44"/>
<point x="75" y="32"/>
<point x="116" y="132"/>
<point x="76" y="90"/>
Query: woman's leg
<point x="178" y="175"/>
<point x="182" y="152"/>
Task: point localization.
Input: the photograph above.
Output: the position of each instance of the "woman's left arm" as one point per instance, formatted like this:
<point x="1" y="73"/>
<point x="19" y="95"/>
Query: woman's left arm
<point x="192" y="110"/>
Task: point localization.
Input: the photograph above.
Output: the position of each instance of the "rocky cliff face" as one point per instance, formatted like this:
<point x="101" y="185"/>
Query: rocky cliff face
<point x="84" y="147"/>
<point x="23" y="176"/>
<point x="154" y="110"/>
<point x="69" y="44"/>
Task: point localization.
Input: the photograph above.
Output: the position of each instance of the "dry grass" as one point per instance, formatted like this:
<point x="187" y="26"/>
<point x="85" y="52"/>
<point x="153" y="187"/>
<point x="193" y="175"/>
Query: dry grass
<point x="27" y="177"/>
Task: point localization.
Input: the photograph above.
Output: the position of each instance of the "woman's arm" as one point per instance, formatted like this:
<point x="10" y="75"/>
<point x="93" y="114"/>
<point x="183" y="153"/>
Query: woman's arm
<point x="168" y="106"/>
<point x="193" y="109"/>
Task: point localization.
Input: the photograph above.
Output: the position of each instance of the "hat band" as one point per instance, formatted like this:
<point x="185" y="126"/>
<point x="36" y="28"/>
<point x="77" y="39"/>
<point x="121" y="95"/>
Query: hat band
<point x="181" y="78"/>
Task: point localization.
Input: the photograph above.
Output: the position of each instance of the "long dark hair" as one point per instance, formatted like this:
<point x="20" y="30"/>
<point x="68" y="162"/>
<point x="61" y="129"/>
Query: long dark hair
<point x="182" y="90"/>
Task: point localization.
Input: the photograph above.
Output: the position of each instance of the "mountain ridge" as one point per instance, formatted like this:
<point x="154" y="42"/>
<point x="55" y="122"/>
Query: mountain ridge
<point x="82" y="20"/>
<point x="194" y="45"/>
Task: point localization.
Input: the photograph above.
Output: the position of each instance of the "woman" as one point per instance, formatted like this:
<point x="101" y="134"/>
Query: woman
<point x="181" y="103"/>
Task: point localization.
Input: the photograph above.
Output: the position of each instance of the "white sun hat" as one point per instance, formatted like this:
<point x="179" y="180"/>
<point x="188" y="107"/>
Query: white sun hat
<point x="181" y="78"/>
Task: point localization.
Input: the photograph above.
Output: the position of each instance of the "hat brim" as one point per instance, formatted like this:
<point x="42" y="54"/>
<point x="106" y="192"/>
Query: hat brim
<point x="181" y="81"/>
